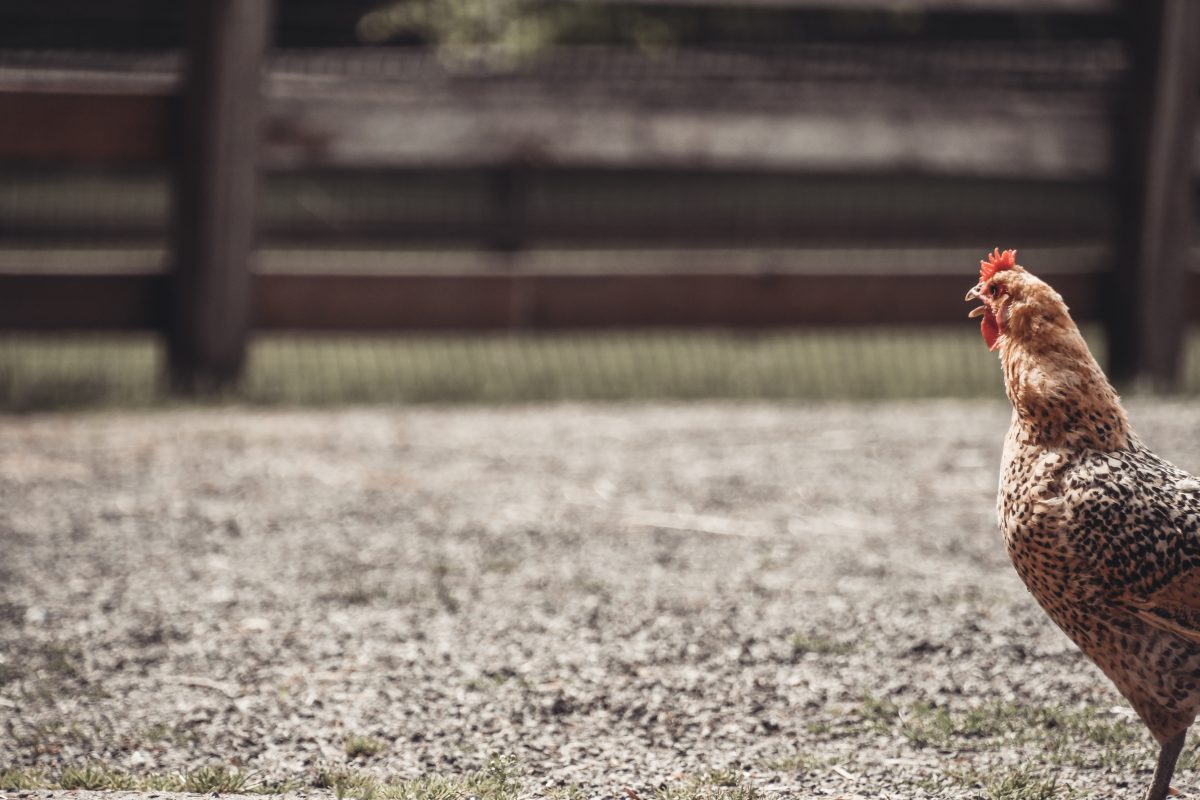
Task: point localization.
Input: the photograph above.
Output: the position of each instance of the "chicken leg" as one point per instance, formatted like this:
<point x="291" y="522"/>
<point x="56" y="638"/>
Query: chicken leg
<point x="1167" y="757"/>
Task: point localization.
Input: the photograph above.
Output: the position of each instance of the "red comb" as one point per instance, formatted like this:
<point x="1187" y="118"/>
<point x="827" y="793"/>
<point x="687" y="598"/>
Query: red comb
<point x="997" y="262"/>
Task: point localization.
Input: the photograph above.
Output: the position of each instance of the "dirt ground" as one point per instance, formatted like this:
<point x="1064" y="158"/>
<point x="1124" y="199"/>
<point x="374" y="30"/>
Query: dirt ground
<point x="813" y="600"/>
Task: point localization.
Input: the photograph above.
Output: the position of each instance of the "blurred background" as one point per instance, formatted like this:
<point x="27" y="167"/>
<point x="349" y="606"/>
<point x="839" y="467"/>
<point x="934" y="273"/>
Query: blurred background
<point x="509" y="200"/>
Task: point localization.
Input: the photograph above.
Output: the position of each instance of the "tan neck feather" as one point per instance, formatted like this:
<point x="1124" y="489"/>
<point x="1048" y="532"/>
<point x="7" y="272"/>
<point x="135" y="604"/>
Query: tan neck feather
<point x="1061" y="396"/>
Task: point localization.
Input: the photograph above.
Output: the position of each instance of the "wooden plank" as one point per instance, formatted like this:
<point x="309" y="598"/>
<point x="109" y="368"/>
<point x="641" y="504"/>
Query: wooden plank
<point x="83" y="127"/>
<point x="127" y="13"/>
<point x="602" y="210"/>
<point x="1146" y="329"/>
<point x="41" y="302"/>
<point x="702" y="230"/>
<point x="216" y="193"/>
<point x="604" y="121"/>
<point x="132" y="126"/>
<point x="558" y="302"/>
<point x="893" y="6"/>
<point x="545" y="301"/>
<point x="1054" y="139"/>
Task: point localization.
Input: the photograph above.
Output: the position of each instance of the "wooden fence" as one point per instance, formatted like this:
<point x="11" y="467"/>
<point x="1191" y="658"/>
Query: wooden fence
<point x="222" y="121"/>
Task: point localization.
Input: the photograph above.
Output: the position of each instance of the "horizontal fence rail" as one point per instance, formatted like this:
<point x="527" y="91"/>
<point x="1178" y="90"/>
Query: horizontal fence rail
<point x="362" y="303"/>
<point x="1053" y="113"/>
<point x="348" y="122"/>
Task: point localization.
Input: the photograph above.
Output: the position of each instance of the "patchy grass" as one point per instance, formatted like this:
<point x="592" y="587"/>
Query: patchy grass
<point x="570" y="792"/>
<point x="18" y="778"/>
<point x="348" y="783"/>
<point x="221" y="780"/>
<point x="1047" y="737"/>
<point x="820" y="727"/>
<point x="1000" y="783"/>
<point x="48" y="372"/>
<point x="500" y="779"/>
<point x="1189" y="759"/>
<point x="1025" y="784"/>
<point x="1055" y="729"/>
<point x="716" y="785"/>
<point x="68" y="371"/>
<point x="95" y="777"/>
<point x="818" y="645"/>
<point x="359" y="746"/>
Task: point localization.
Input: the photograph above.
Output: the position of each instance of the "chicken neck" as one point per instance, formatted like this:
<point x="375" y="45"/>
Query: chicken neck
<point x="1061" y="396"/>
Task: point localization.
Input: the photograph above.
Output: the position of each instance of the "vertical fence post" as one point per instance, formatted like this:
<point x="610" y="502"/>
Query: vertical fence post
<point x="215" y="184"/>
<point x="1146" y="328"/>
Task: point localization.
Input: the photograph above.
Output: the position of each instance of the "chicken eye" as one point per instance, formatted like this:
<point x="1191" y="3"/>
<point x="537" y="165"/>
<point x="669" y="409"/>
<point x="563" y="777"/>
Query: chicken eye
<point x="993" y="290"/>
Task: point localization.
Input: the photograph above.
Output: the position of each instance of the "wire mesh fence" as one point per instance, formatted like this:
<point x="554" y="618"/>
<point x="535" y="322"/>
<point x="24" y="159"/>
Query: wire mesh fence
<point x="66" y="371"/>
<point x="430" y="137"/>
<point x="73" y="371"/>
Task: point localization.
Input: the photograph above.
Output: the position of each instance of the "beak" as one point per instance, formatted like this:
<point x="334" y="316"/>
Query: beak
<point x="976" y="293"/>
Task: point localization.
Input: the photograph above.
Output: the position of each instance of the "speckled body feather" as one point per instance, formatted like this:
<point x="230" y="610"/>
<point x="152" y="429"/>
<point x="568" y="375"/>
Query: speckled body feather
<point x="1103" y="532"/>
<point x="1108" y="542"/>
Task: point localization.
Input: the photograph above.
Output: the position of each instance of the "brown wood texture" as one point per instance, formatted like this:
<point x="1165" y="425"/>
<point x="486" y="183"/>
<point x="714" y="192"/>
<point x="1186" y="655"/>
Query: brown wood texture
<point x="324" y="121"/>
<point x="131" y="125"/>
<point x="896" y="6"/>
<point x="216" y="193"/>
<point x="1060" y="138"/>
<point x="700" y="229"/>
<point x="343" y="122"/>
<point x="556" y="301"/>
<point x="53" y="302"/>
<point x="492" y="302"/>
<point x="82" y="127"/>
<point x="128" y="12"/>
<point x="1146" y="320"/>
<point x="1052" y="124"/>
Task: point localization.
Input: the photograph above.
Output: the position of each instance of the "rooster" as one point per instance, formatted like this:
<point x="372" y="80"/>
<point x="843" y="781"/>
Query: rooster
<point x="1103" y="532"/>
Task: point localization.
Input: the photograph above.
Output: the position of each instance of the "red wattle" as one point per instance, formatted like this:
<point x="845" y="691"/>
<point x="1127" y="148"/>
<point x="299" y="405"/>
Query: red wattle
<point x="990" y="330"/>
